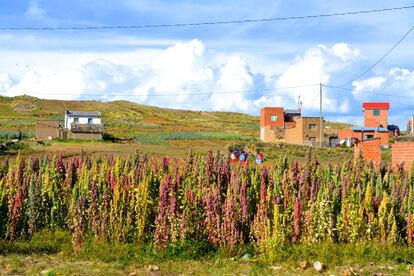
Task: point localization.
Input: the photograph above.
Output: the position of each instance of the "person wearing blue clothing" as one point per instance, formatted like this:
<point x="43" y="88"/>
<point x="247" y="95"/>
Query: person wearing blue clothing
<point x="259" y="157"/>
<point x="243" y="156"/>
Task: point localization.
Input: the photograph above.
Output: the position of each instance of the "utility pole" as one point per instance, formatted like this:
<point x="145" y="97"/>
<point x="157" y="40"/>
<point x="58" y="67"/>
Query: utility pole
<point x="320" y="116"/>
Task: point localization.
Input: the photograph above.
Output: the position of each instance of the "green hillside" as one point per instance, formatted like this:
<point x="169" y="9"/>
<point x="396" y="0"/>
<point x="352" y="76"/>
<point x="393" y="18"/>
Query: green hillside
<point x="123" y="119"/>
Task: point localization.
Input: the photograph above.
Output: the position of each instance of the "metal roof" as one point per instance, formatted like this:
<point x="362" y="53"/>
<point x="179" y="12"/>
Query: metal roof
<point x="292" y="111"/>
<point x="381" y="129"/>
<point x="376" y="105"/>
<point x="83" y="113"/>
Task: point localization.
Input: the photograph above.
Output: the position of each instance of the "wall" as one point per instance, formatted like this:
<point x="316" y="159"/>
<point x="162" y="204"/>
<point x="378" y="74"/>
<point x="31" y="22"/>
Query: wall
<point x="271" y="134"/>
<point x="375" y="121"/>
<point x="267" y="112"/>
<point x="85" y="136"/>
<point x="46" y="129"/>
<point x="349" y="133"/>
<point x="306" y="132"/>
<point x="403" y="152"/>
<point x="293" y="135"/>
<point x="370" y="149"/>
<point x="267" y="134"/>
<point x="82" y="120"/>
<point x="384" y="138"/>
<point x="301" y="133"/>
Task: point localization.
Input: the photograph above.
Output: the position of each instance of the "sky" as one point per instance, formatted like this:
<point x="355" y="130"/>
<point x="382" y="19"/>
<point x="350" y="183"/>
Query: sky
<point x="231" y="67"/>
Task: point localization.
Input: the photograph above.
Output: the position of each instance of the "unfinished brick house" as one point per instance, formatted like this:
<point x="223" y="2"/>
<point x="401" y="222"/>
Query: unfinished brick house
<point x="375" y="124"/>
<point x="278" y="124"/>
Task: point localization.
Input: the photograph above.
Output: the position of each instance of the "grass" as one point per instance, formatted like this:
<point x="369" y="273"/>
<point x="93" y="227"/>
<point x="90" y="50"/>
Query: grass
<point x="161" y="137"/>
<point x="123" y="118"/>
<point x="50" y="253"/>
<point x="274" y="151"/>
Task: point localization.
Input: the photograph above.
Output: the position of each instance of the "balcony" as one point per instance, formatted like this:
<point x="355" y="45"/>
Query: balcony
<point x="86" y="128"/>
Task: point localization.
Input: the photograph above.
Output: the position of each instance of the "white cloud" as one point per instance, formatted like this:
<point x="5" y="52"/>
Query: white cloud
<point x="66" y="84"/>
<point x="317" y="65"/>
<point x="200" y="75"/>
<point x="370" y="84"/>
<point x="398" y="82"/>
<point x="34" y="12"/>
<point x="6" y="82"/>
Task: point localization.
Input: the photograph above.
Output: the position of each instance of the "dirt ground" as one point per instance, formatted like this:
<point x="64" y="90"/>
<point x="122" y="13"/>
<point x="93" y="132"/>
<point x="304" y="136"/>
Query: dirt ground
<point x="60" y="264"/>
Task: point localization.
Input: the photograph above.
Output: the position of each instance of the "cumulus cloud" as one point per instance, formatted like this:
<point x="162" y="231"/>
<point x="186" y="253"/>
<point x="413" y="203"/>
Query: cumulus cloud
<point x="398" y="82"/>
<point x="188" y="75"/>
<point x="317" y="65"/>
<point x="66" y="84"/>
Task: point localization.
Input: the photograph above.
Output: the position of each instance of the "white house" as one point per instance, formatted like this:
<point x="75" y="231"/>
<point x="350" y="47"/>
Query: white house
<point x="83" y="125"/>
<point x="82" y="117"/>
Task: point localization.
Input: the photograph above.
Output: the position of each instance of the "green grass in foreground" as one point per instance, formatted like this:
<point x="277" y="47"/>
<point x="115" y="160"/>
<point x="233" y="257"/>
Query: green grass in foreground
<point x="51" y="252"/>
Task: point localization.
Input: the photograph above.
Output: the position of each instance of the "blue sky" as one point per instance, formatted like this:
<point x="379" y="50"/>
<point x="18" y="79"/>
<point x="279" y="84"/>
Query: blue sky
<point x="190" y="67"/>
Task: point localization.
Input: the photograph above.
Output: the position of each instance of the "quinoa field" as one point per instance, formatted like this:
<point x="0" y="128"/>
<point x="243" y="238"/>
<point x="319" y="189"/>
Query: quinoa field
<point x="206" y="206"/>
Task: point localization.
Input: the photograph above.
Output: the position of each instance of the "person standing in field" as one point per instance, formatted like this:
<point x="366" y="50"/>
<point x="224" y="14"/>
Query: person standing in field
<point x="243" y="156"/>
<point x="234" y="156"/>
<point x="259" y="157"/>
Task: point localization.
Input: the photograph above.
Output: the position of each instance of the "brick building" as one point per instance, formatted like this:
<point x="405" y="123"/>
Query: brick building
<point x="274" y="121"/>
<point x="375" y="124"/>
<point x="306" y="131"/>
<point x="375" y="115"/>
<point x="279" y="124"/>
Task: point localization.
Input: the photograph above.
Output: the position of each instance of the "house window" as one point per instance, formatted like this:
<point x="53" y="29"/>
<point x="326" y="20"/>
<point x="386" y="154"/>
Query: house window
<point x="369" y="136"/>
<point x="273" y="118"/>
<point x="76" y="120"/>
<point x="312" y="126"/>
<point x="89" y="120"/>
<point x="376" y="112"/>
<point x="312" y="139"/>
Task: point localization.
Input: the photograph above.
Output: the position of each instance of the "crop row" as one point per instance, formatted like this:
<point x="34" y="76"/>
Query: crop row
<point x="162" y="137"/>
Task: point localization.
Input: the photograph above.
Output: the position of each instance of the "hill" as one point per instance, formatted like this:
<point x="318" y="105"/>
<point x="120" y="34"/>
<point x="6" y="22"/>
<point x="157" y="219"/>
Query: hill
<point x="154" y="130"/>
<point x="122" y="118"/>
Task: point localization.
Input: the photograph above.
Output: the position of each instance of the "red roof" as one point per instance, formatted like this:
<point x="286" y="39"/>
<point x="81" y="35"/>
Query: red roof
<point x="376" y="105"/>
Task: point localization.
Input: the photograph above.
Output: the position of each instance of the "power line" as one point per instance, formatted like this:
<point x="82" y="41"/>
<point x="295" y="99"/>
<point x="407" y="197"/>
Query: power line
<point x="242" y="21"/>
<point x="368" y="92"/>
<point x="165" y="95"/>
<point x="381" y="59"/>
